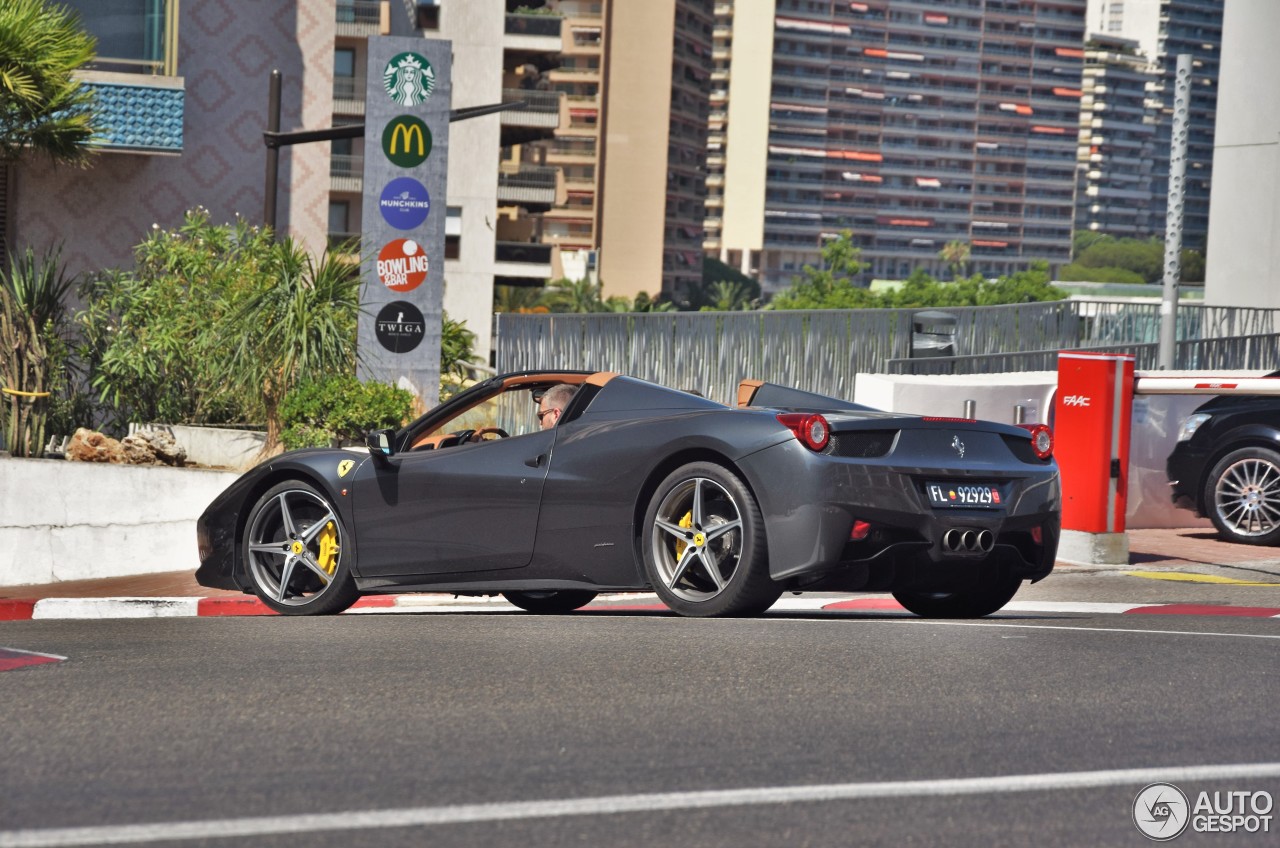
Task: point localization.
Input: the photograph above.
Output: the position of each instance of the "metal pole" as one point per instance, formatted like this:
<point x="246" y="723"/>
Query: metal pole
<point x="1173" y="220"/>
<point x="273" y="153"/>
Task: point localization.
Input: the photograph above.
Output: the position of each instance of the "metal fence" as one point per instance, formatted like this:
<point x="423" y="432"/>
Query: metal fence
<point x="822" y="350"/>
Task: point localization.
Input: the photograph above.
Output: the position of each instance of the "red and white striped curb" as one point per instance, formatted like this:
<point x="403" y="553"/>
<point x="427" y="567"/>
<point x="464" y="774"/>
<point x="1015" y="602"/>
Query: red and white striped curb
<point x="104" y="608"/>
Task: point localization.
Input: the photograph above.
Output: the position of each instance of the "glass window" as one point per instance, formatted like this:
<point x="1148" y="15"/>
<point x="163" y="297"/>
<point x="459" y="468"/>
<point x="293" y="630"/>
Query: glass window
<point x="339" y="215"/>
<point x="344" y="62"/>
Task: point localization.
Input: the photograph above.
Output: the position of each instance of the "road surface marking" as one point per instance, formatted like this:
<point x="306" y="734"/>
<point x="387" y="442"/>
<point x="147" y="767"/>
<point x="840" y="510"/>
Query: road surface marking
<point x="615" y="804"/>
<point x="1186" y="577"/>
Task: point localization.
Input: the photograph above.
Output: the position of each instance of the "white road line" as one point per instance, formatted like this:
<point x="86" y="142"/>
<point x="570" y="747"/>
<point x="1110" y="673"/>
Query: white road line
<point x="614" y="804"/>
<point x="942" y="623"/>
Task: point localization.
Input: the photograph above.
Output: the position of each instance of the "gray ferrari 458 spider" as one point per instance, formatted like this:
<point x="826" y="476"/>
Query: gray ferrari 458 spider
<point x="637" y="487"/>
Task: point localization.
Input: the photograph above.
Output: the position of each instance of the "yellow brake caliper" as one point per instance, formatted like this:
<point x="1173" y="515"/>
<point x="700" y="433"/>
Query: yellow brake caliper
<point x="328" y="555"/>
<point x="686" y="523"/>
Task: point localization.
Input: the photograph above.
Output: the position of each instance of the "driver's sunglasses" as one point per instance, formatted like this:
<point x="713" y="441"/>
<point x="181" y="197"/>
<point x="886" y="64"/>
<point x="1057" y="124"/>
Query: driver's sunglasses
<point x="546" y="412"/>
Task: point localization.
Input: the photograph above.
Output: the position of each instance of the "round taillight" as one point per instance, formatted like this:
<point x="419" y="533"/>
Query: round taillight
<point x="1041" y="439"/>
<point x="812" y="430"/>
<point x="817" y="432"/>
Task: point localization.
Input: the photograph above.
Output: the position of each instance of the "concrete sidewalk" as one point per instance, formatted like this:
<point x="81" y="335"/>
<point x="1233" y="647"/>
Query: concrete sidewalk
<point x="1194" y="550"/>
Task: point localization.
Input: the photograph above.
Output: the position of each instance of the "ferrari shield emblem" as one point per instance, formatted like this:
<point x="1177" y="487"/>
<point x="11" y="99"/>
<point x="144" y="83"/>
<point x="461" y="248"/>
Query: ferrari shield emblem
<point x="345" y="466"/>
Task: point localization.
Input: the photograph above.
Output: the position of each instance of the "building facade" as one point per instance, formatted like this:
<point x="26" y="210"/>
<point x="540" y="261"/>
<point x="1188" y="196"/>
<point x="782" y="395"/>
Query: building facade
<point x="183" y="90"/>
<point x="1243" y="259"/>
<point x="1117" y="140"/>
<point x="910" y="125"/>
<point x="1164" y="29"/>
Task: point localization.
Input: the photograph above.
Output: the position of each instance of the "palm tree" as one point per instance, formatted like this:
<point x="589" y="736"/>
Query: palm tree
<point x="956" y="254"/>
<point x="574" y="296"/>
<point x="43" y="107"/>
<point x="302" y="324"/>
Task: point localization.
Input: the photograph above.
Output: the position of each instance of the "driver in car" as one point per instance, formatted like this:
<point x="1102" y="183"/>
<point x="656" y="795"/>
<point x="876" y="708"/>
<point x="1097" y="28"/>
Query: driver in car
<point x="552" y="404"/>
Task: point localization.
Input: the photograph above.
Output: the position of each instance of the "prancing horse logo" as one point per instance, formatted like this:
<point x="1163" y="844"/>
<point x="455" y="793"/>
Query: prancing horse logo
<point x="958" y="445"/>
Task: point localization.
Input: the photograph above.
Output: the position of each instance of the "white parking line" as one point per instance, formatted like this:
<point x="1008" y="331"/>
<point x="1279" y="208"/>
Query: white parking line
<point x="942" y="623"/>
<point x="614" y="804"/>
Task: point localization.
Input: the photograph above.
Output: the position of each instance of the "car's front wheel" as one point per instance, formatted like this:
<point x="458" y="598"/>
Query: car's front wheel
<point x="296" y="551"/>
<point x="551" y="603"/>
<point x="703" y="544"/>
<point x="979" y="598"/>
<point x="1242" y="496"/>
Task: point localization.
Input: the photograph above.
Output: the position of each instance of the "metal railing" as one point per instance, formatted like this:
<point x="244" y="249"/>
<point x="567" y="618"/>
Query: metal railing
<point x="346" y="165"/>
<point x="519" y="251"/>
<point x="822" y="350"/>
<point x="363" y="13"/>
<point x="544" y="25"/>
<point x="529" y="176"/>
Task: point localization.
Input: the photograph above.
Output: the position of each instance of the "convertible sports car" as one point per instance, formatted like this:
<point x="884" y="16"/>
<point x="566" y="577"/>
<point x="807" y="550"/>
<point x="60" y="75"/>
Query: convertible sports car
<point x="638" y="487"/>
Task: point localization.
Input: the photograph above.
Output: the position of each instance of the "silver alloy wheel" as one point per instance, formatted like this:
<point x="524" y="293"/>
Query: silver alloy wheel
<point x="697" y="539"/>
<point x="1246" y="496"/>
<point x="295" y="545"/>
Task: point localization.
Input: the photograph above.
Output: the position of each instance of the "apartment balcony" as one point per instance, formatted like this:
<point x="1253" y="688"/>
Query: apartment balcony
<point x="518" y="263"/>
<point x="348" y="96"/>
<point x="543" y="113"/>
<point x="346" y="172"/>
<point x="534" y="40"/>
<point x="363" y="18"/>
<point x="536" y="188"/>
<point x="571" y="150"/>
<point x="142" y="113"/>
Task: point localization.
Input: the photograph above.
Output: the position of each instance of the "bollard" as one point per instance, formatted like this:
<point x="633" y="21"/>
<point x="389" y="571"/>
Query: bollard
<point x="970" y="409"/>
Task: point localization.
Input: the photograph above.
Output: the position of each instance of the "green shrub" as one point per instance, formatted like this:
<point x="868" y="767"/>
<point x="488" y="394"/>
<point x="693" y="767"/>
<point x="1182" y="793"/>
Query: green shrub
<point x="340" y="409"/>
<point x="1075" y="272"/>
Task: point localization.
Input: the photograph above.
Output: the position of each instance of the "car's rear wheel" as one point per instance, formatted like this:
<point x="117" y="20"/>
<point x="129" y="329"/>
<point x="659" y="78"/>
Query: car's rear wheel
<point x="981" y="597"/>
<point x="551" y="603"/>
<point x="1242" y="496"/>
<point x="296" y="551"/>
<point x="703" y="544"/>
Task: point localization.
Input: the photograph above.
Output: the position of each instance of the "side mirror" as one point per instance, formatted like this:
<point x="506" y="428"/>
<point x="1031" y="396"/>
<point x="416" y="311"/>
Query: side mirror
<point x="381" y="443"/>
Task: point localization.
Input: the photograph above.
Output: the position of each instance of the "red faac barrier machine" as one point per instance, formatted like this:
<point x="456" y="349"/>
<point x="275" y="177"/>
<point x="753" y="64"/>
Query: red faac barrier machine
<point x="1092" y="415"/>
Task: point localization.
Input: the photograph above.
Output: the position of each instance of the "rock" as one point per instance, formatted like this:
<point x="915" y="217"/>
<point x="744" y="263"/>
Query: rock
<point x="161" y="447"/>
<point x="136" y="450"/>
<point x="92" y="446"/>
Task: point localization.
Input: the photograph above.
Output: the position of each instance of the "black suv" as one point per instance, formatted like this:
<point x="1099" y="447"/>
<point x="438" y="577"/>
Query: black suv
<point x="1226" y="466"/>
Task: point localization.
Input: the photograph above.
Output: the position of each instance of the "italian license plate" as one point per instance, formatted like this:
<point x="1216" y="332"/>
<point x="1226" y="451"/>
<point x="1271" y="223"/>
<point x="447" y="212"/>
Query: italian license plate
<point x="964" y="495"/>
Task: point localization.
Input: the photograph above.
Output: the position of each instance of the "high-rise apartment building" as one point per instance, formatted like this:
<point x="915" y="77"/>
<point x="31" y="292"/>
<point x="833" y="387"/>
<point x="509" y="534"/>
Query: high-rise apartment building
<point x="912" y="124"/>
<point x="636" y="77"/>
<point x="1117" y="135"/>
<point x="1165" y="29"/>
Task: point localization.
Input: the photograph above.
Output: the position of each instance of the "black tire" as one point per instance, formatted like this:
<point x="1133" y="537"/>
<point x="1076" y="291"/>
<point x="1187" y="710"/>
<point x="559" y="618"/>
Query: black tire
<point x="982" y="597"/>
<point x="297" y="552"/>
<point x="551" y="603"/>
<point x="1242" y="496"/>
<point x="703" y="544"/>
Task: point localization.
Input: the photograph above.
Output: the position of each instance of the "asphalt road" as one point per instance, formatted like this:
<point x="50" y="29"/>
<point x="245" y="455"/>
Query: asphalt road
<point x="254" y="731"/>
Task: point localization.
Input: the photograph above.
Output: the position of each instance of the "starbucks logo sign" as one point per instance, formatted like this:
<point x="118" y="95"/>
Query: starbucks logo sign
<point x="408" y="79"/>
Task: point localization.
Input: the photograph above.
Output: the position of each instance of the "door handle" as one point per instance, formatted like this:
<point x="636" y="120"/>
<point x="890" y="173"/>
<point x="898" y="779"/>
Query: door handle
<point x="536" y="461"/>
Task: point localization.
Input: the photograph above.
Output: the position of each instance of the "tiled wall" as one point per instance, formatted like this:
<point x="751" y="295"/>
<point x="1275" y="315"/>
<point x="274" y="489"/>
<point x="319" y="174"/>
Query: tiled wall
<point x="227" y="51"/>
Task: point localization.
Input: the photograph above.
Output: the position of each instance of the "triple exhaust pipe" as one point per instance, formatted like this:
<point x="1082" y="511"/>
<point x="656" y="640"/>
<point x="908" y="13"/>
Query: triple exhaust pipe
<point x="959" y="541"/>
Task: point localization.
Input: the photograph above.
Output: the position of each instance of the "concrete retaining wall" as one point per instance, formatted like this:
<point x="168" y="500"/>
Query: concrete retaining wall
<point x="73" y="520"/>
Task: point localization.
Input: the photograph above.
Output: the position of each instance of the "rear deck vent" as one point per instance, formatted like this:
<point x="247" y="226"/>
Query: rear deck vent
<point x="863" y="444"/>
